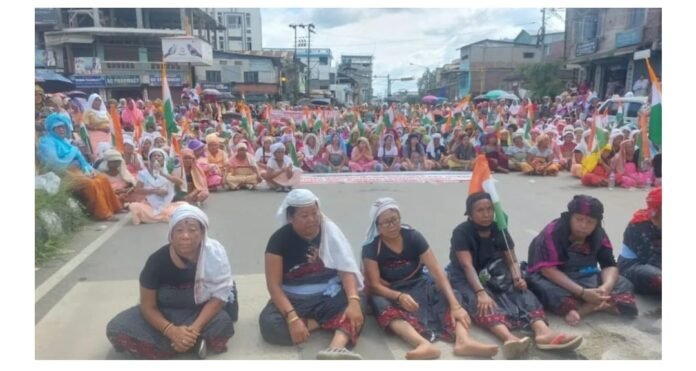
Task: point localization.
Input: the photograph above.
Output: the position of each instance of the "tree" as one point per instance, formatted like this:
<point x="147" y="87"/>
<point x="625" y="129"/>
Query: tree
<point x="426" y="82"/>
<point x="543" y="79"/>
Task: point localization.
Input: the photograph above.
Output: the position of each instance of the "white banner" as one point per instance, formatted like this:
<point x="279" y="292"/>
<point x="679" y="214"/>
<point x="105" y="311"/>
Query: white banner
<point x="187" y="49"/>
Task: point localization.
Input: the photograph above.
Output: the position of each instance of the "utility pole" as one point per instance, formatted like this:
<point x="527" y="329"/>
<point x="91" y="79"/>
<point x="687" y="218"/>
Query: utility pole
<point x="294" y="66"/>
<point x="310" y="31"/>
<point x="542" y="35"/>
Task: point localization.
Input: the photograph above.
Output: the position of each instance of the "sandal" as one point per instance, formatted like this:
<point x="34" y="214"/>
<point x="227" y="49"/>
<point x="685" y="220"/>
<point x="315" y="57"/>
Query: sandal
<point x="338" y="354"/>
<point x="516" y="349"/>
<point x="561" y="342"/>
<point x="201" y="349"/>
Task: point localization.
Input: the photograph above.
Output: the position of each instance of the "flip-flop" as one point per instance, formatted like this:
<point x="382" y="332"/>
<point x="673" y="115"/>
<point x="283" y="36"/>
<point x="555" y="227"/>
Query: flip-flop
<point x="558" y="344"/>
<point x="338" y="354"/>
<point x="516" y="349"/>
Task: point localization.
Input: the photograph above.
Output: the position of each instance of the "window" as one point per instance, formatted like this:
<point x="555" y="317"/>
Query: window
<point x="323" y="61"/>
<point x="465" y="57"/>
<point x="248" y="46"/>
<point x="234" y="38"/>
<point x="213" y="76"/>
<point x="248" y="19"/>
<point x="222" y="62"/>
<point x="588" y="28"/>
<point x="251" y="77"/>
<point x="234" y="21"/>
<point x="528" y="55"/>
<point x="636" y="18"/>
<point x="237" y="63"/>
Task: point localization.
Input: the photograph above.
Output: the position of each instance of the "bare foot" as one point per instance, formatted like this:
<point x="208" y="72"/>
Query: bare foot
<point x="548" y="337"/>
<point x="573" y="318"/>
<point x="473" y="348"/>
<point x="424" y="351"/>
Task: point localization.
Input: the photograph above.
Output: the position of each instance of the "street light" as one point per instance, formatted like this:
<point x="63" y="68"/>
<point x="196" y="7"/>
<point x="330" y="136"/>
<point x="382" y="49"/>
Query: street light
<point x="389" y="81"/>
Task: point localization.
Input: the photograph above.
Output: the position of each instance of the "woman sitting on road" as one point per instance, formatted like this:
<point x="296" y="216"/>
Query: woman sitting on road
<point x="57" y="154"/>
<point x="597" y="169"/>
<point x="217" y="162"/>
<point x="502" y="303"/>
<point x="263" y="154"/>
<point x="641" y="254"/>
<point x="97" y="121"/>
<point x="281" y="174"/>
<point x="463" y="154"/>
<point x="311" y="151"/>
<point x="122" y="181"/>
<point x="541" y="159"/>
<point x="312" y="278"/>
<point x="157" y="185"/>
<point x="131" y="159"/>
<point x="362" y="159"/>
<point x="625" y="166"/>
<point x="517" y="152"/>
<point x="336" y="154"/>
<point x="196" y="189"/>
<point x="497" y="161"/>
<point x="388" y="154"/>
<point x="187" y="296"/>
<point x="414" y="156"/>
<point x="563" y="269"/>
<point x="243" y="171"/>
<point x="418" y="305"/>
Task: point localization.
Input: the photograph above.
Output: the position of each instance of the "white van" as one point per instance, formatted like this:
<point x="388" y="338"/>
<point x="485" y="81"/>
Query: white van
<point x="631" y="107"/>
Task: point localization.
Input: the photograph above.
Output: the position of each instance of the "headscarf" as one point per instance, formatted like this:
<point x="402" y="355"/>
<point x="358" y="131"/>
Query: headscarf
<point x="213" y="271"/>
<point x="197" y="172"/>
<point x="334" y="248"/>
<point x="311" y="151"/>
<point x="114" y="155"/>
<point x="195" y="145"/>
<point x="378" y="208"/>
<point x="473" y="199"/>
<point x="101" y="113"/>
<point x="57" y="152"/>
<point x="431" y="146"/>
<point x="618" y="163"/>
<point x="212" y="138"/>
<point x="149" y="181"/>
<point x="654" y="201"/>
<point x="101" y="150"/>
<point x="368" y="147"/>
<point x="276" y="147"/>
<point x="133" y="114"/>
<point x="550" y="247"/>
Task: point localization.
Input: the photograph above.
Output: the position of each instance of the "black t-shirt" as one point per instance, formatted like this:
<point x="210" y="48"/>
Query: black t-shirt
<point x="160" y="271"/>
<point x="439" y="152"/>
<point x="286" y="243"/>
<point x="483" y="251"/>
<point x="414" y="245"/>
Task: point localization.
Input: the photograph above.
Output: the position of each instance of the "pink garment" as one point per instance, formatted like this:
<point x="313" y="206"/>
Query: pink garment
<point x="361" y="163"/>
<point x="632" y="178"/>
<point x="131" y="115"/>
<point x="142" y="212"/>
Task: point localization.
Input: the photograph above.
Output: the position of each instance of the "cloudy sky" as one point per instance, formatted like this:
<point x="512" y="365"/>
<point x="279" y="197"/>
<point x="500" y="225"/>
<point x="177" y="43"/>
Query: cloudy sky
<point x="397" y="37"/>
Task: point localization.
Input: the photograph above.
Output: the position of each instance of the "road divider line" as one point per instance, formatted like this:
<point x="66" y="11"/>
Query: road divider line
<point x="70" y="266"/>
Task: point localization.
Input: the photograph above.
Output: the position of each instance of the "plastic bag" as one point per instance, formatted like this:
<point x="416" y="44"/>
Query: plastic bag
<point x="49" y="182"/>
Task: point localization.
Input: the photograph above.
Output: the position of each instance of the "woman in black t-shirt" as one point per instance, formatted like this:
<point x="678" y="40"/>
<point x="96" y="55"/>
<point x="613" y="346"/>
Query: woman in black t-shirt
<point x="483" y="272"/>
<point x="312" y="278"/>
<point x="416" y="303"/>
<point x="187" y="296"/>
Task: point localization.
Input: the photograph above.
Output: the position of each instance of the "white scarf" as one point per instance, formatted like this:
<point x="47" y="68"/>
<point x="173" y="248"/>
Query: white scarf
<point x="101" y="113"/>
<point x="114" y="155"/>
<point x="213" y="271"/>
<point x="334" y="248"/>
<point x="380" y="206"/>
<point x="158" y="203"/>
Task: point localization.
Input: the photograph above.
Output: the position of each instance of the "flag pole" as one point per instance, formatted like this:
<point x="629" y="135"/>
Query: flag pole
<point x="513" y="258"/>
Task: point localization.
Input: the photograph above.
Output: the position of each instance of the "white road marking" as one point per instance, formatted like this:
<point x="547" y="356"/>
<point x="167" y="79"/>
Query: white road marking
<point x="65" y="270"/>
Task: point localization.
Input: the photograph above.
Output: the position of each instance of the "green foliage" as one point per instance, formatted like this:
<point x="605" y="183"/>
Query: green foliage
<point x="543" y="79"/>
<point x="47" y="245"/>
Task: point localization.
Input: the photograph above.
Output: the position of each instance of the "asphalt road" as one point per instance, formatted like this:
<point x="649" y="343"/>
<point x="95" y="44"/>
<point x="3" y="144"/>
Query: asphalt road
<point x="73" y="305"/>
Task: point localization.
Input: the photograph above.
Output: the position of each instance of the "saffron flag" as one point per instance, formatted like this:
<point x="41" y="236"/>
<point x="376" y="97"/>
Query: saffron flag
<point x="168" y="107"/>
<point x="655" y="124"/>
<point x="482" y="181"/>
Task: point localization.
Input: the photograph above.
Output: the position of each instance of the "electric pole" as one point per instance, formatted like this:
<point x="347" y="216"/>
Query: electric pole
<point x="310" y="31"/>
<point x="294" y="65"/>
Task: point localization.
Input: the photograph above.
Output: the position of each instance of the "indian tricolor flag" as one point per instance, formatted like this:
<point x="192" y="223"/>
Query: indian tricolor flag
<point x="529" y="123"/>
<point x="168" y="108"/>
<point x="482" y="181"/>
<point x="655" y="125"/>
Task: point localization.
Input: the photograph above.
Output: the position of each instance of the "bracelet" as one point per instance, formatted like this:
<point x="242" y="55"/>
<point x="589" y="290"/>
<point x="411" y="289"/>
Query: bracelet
<point x="456" y="308"/>
<point x="164" y="331"/>
<point x="288" y="313"/>
<point x="293" y="319"/>
<point x="479" y="290"/>
<point x="354" y="297"/>
<point x="399" y="296"/>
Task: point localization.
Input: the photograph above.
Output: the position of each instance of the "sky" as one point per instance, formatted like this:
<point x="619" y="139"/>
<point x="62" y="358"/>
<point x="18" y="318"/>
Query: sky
<point x="398" y="37"/>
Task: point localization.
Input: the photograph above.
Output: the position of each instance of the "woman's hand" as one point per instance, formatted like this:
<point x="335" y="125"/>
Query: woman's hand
<point x="594" y="296"/>
<point x="521" y="284"/>
<point x="182" y="338"/>
<point x="298" y="331"/>
<point x="160" y="192"/>
<point x="354" y="314"/>
<point x="486" y="305"/>
<point x="407" y="302"/>
<point x="460" y="315"/>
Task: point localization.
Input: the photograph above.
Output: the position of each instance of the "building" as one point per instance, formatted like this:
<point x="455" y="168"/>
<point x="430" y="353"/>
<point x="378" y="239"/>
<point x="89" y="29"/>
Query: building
<point x="447" y="81"/>
<point x="243" y="29"/>
<point x="256" y="76"/>
<point x="357" y="70"/>
<point x="602" y="42"/>
<point x="554" y="44"/>
<point x="117" y="52"/>
<point x="493" y="64"/>
<point x="320" y="65"/>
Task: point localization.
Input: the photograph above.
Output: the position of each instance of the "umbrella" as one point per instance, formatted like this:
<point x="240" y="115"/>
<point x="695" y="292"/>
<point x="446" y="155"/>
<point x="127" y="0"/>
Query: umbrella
<point x="495" y="94"/>
<point x="213" y="92"/>
<point x="429" y="99"/>
<point x="480" y="98"/>
<point x="52" y="82"/>
<point x="321" y="102"/>
<point x="77" y="93"/>
<point x="304" y="102"/>
<point x="225" y="97"/>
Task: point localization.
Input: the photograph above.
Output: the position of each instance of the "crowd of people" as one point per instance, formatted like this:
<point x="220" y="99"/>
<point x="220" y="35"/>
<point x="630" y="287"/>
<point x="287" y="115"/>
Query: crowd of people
<point x="133" y="158"/>
<point x="189" y="302"/>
